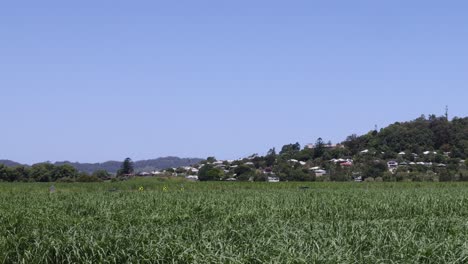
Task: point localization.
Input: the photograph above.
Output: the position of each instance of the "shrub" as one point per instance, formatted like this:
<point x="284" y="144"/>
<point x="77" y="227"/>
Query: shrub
<point x="87" y="178"/>
<point x="66" y="179"/>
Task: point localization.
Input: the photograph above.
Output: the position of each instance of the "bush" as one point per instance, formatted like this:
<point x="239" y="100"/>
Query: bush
<point x="66" y="179"/>
<point x="388" y="177"/>
<point x="87" y="178"/>
<point x="210" y="173"/>
<point x="445" y="176"/>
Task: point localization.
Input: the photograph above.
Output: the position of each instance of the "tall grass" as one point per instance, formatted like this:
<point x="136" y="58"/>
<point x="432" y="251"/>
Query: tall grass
<point x="234" y="223"/>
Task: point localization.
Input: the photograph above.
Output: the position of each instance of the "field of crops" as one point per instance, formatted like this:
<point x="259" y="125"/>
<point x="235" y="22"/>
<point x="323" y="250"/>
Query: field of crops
<point x="179" y="222"/>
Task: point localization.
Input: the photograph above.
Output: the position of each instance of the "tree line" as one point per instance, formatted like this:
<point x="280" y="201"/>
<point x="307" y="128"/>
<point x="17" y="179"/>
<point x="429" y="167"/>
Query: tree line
<point x="47" y="172"/>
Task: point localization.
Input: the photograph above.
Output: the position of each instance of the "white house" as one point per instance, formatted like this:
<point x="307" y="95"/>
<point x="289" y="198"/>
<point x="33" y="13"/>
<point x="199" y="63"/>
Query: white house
<point x="192" y="177"/>
<point x="392" y="164"/>
<point x="319" y="173"/>
<point x="273" y="179"/>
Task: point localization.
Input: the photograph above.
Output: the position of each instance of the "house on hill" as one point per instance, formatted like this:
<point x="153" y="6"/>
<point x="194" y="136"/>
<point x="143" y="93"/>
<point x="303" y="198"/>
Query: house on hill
<point x="273" y="179"/>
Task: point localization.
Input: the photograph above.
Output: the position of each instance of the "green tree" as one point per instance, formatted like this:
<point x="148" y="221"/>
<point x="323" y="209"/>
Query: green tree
<point x="319" y="148"/>
<point x="101" y="174"/>
<point x="305" y="154"/>
<point x="209" y="173"/>
<point x="22" y="173"/>
<point x="63" y="171"/>
<point x="290" y="150"/>
<point x="84" y="177"/>
<point x="243" y="171"/>
<point x="127" y="167"/>
<point x="211" y="159"/>
<point x="42" y="172"/>
<point x="4" y="173"/>
<point x="374" y="169"/>
<point x="270" y="158"/>
<point x="445" y="175"/>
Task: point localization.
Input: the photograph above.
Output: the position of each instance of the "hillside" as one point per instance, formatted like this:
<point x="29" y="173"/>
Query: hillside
<point x="113" y="166"/>
<point x="10" y="163"/>
<point x="422" y="134"/>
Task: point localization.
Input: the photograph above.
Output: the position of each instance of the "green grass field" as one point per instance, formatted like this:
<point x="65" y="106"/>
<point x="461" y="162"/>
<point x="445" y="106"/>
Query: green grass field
<point x="180" y="222"/>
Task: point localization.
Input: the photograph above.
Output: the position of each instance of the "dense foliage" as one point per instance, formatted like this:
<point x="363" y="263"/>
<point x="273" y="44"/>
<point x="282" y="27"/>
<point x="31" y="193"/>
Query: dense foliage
<point x="114" y="166"/>
<point x="46" y="172"/>
<point x="429" y="149"/>
<point x="150" y="221"/>
<point x="417" y="136"/>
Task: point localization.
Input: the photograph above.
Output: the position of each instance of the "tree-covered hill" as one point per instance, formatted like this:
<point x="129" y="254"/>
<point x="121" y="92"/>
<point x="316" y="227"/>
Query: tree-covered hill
<point x="417" y="136"/>
<point x="10" y="163"/>
<point x="141" y="165"/>
<point x="114" y="166"/>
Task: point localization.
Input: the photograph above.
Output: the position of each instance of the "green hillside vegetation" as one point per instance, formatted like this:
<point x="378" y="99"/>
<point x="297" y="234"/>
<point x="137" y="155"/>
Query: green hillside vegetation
<point x="425" y="149"/>
<point x="428" y="149"/>
<point x="417" y="136"/>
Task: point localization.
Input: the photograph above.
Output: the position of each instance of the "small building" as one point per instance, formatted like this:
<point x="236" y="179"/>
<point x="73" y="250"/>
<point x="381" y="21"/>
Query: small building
<point x="273" y="179"/>
<point x="319" y="173"/>
<point x="346" y="164"/>
<point x="392" y="164"/>
<point x="192" y="177"/>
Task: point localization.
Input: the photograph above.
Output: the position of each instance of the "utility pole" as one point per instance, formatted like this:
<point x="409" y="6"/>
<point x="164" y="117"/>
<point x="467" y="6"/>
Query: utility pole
<point x="446" y="112"/>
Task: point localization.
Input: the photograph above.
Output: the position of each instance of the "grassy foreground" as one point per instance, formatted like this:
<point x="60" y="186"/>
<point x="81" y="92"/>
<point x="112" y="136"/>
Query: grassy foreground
<point x="178" y="222"/>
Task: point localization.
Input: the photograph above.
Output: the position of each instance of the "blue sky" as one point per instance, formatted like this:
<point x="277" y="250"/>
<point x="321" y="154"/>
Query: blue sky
<point x="92" y="81"/>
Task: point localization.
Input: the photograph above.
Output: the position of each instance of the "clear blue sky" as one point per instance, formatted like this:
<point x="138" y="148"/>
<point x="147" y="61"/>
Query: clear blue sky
<point x="92" y="81"/>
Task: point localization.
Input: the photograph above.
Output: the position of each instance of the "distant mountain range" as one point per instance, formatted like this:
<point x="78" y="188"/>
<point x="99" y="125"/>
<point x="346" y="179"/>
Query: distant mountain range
<point x="10" y="163"/>
<point x="113" y="166"/>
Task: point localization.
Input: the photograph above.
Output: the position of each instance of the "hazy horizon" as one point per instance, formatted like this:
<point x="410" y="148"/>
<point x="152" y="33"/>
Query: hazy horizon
<point x="96" y="81"/>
